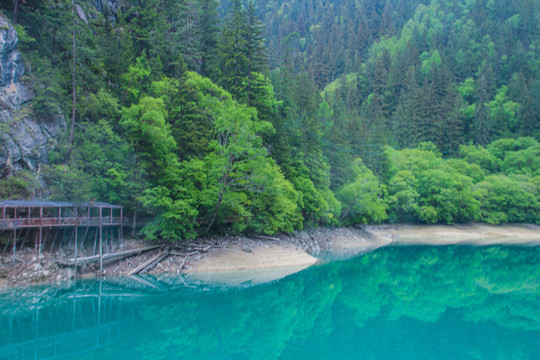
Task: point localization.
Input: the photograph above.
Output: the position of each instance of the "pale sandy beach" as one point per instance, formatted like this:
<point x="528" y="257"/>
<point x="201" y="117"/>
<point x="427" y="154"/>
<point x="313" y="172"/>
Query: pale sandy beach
<point x="256" y="264"/>
<point x="472" y="234"/>
<point x="267" y="262"/>
<point x="348" y="242"/>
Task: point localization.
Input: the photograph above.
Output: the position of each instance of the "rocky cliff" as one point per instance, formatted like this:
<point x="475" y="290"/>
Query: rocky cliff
<point x="25" y="139"/>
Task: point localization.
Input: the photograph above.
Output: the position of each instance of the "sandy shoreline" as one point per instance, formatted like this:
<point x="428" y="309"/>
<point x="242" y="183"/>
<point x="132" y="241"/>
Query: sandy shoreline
<point x="243" y="260"/>
<point x="470" y="234"/>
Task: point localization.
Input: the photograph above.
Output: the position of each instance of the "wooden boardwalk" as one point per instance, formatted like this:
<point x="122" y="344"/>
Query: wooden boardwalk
<point x="41" y="215"/>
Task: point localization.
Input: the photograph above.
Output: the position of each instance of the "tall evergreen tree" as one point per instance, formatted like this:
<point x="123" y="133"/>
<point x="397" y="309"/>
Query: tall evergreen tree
<point x="209" y="39"/>
<point x="233" y="62"/>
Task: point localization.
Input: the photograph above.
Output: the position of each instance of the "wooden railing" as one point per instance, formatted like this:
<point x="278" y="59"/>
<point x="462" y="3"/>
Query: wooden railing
<point x="18" y="223"/>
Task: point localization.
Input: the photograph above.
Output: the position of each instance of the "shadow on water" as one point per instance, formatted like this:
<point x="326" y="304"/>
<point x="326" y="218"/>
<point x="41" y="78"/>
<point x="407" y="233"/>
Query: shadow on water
<point x="397" y="302"/>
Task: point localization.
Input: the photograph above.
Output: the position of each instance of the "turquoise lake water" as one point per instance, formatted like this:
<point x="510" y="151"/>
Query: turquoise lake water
<point x="395" y="303"/>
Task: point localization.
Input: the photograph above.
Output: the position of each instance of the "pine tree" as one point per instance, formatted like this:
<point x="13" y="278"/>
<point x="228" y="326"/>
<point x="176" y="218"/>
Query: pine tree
<point x="255" y="51"/>
<point x="232" y="56"/>
<point x="209" y="39"/>
<point x="484" y="90"/>
<point x="189" y="33"/>
<point x="530" y="111"/>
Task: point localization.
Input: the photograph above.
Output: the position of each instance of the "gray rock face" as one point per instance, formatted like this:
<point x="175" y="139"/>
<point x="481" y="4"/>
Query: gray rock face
<point x="24" y="139"/>
<point x="112" y="5"/>
<point x="11" y="67"/>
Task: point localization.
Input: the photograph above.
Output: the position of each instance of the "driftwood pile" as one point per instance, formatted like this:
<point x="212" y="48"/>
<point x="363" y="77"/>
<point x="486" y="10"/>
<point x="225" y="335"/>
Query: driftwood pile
<point x="95" y="258"/>
<point x="148" y="265"/>
<point x="186" y="250"/>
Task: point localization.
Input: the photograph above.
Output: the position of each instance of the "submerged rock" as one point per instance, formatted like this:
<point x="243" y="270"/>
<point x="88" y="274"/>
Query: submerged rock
<point x="25" y="139"/>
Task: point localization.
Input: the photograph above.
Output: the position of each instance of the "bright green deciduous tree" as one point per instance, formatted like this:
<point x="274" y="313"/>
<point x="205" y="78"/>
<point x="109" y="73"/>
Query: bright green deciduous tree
<point x="506" y="199"/>
<point x="361" y="200"/>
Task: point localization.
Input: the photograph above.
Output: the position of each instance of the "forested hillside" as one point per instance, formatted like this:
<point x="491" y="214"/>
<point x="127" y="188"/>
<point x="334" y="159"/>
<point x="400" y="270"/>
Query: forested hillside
<point x="270" y="116"/>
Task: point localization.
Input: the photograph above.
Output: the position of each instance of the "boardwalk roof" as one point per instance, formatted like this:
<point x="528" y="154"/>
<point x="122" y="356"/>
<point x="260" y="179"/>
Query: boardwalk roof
<point x="56" y="204"/>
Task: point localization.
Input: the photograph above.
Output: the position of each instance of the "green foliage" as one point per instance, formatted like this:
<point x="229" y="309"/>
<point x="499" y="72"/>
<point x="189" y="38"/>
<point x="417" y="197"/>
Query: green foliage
<point x="446" y="196"/>
<point x="505" y="199"/>
<point x="68" y="183"/>
<point x="423" y="187"/>
<point x="175" y="217"/>
<point x="276" y="208"/>
<point x="318" y="206"/>
<point x="150" y="135"/>
<point x="100" y="167"/>
<point x="137" y="78"/>
<point x="402" y="196"/>
<point x="361" y="200"/>
<point x="480" y="156"/>
<point x="474" y="171"/>
<point x="21" y="185"/>
<point x="25" y="40"/>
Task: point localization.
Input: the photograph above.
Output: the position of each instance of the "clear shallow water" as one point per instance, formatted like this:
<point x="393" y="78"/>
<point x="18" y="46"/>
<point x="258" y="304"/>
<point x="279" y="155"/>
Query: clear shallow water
<point x="395" y="303"/>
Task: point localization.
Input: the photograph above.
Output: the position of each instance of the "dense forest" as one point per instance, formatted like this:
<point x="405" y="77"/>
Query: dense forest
<point x="269" y="116"/>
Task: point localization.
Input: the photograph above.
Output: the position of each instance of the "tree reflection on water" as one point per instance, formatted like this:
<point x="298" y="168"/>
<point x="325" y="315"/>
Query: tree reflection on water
<point x="399" y="302"/>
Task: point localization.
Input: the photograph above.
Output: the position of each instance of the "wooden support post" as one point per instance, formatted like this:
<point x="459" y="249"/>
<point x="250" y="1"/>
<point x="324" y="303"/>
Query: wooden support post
<point x="76" y="249"/>
<point x="15" y="232"/>
<point x="40" y="229"/>
<point x="121" y="230"/>
<point x="56" y="236"/>
<point x="106" y="239"/>
<point x="14" y="241"/>
<point x="76" y="239"/>
<point x="25" y="237"/>
<point x="100" y="241"/>
<point x="95" y="241"/>
<point x="29" y="211"/>
<point x="85" y="234"/>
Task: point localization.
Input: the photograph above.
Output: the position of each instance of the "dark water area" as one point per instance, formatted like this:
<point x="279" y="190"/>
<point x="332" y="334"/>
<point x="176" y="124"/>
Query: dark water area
<point x="454" y="302"/>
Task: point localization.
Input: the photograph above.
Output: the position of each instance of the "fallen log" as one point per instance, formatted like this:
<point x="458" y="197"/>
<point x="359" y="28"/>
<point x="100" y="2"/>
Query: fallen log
<point x="95" y="258"/>
<point x="201" y="248"/>
<point x="182" y="265"/>
<point x="143" y="268"/>
<point x="176" y="253"/>
<point x="271" y="238"/>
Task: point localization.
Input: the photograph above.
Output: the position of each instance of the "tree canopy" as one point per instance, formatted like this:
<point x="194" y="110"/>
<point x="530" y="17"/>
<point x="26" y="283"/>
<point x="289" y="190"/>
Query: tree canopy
<point x="264" y="116"/>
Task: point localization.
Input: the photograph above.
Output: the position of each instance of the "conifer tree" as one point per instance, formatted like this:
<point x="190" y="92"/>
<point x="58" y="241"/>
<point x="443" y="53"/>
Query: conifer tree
<point x="209" y="37"/>
<point x="233" y="62"/>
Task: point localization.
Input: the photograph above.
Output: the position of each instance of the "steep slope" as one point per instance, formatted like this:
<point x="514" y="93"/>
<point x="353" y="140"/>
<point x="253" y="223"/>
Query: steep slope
<point x="24" y="138"/>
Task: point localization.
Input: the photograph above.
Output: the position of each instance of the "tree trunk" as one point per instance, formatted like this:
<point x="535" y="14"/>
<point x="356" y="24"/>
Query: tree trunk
<point x="225" y="183"/>
<point x="15" y="10"/>
<point x="216" y="210"/>
<point x="74" y="88"/>
<point x="54" y="42"/>
<point x="134" y="224"/>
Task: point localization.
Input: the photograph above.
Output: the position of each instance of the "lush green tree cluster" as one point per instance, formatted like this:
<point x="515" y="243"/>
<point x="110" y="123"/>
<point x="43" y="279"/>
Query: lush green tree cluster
<point x="496" y="184"/>
<point x="185" y="117"/>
